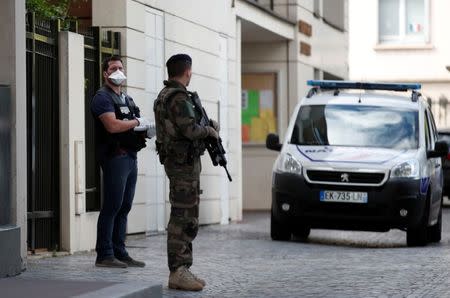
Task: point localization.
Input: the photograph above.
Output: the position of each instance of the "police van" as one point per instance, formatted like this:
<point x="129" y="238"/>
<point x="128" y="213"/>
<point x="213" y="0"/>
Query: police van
<point x="359" y="156"/>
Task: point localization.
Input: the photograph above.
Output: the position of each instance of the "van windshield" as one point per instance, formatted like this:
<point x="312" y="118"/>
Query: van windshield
<point x="357" y="126"/>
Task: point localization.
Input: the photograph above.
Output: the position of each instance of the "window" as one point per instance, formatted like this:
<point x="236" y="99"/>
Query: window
<point x="403" y="21"/>
<point x="427" y="132"/>
<point x="333" y="13"/>
<point x="356" y="126"/>
<point x="433" y="125"/>
<point x="329" y="76"/>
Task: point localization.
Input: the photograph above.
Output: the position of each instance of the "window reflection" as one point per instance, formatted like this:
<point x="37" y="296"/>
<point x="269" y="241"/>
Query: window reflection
<point x="360" y="126"/>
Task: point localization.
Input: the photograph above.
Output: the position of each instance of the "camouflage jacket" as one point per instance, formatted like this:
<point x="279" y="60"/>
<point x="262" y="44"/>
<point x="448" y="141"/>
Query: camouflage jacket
<point x="177" y="123"/>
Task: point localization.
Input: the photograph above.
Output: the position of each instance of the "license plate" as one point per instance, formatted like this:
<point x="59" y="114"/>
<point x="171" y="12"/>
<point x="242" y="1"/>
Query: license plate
<point x="343" y="196"/>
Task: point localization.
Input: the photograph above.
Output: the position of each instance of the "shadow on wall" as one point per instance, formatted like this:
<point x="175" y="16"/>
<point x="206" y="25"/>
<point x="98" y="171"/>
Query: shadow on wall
<point x="439" y="108"/>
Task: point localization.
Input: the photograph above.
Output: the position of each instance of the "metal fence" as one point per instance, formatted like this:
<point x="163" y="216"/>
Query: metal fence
<point x="42" y="133"/>
<point x="43" y="123"/>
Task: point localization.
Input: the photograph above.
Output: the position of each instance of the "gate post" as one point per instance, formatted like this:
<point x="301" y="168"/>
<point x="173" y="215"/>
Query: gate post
<point x="72" y="139"/>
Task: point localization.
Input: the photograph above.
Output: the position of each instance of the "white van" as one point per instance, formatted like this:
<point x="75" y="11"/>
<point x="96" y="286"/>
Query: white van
<point x="359" y="156"/>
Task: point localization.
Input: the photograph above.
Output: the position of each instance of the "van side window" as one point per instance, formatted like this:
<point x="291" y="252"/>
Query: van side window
<point x="433" y="125"/>
<point x="427" y="131"/>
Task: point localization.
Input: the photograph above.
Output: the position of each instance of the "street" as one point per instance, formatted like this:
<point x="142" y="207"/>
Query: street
<point x="240" y="260"/>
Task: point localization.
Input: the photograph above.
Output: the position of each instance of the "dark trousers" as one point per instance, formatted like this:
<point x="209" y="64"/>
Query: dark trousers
<point x="119" y="184"/>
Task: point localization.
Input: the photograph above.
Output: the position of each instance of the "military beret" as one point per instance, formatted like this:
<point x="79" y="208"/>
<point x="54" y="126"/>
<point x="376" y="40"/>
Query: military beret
<point x="179" y="57"/>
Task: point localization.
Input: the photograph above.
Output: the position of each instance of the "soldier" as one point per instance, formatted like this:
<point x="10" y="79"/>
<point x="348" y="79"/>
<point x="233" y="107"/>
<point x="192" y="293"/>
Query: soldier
<point x="180" y="143"/>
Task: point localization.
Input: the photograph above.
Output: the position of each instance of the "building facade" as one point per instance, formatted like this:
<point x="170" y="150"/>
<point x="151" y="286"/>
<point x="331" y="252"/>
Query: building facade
<point x="251" y="60"/>
<point x="403" y="40"/>
<point x="277" y="66"/>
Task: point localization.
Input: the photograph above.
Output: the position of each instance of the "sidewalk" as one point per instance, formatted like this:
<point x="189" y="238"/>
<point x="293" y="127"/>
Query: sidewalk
<point x="57" y="288"/>
<point x="55" y="273"/>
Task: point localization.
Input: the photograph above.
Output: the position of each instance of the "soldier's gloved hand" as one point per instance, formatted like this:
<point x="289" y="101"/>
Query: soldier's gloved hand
<point x="143" y="124"/>
<point x="214" y="124"/>
<point x="151" y="130"/>
<point x="212" y="132"/>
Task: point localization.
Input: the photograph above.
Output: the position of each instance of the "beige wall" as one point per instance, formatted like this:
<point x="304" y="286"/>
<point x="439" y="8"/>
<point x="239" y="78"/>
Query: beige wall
<point x="152" y="31"/>
<point x="257" y="177"/>
<point x="416" y="62"/>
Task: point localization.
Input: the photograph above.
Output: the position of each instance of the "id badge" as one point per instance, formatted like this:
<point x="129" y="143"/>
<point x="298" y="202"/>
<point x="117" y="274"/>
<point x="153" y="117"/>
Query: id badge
<point x="124" y="110"/>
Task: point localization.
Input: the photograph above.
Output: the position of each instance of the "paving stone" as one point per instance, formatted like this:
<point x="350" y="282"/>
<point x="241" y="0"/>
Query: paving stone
<point x="240" y="260"/>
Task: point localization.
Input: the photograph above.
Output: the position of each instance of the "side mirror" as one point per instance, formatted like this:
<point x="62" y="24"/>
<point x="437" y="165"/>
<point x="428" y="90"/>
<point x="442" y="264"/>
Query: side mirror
<point x="440" y="150"/>
<point x="273" y="142"/>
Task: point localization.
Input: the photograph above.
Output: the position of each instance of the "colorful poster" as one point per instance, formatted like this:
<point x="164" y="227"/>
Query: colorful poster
<point x="258" y="115"/>
<point x="251" y="109"/>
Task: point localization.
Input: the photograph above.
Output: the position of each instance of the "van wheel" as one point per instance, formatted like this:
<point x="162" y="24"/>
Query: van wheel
<point x="418" y="235"/>
<point x="435" y="231"/>
<point x="278" y="230"/>
<point x="301" y="232"/>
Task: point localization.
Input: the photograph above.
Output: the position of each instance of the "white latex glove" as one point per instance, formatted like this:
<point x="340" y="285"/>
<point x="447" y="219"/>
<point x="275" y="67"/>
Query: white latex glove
<point x="143" y="124"/>
<point x="151" y="130"/>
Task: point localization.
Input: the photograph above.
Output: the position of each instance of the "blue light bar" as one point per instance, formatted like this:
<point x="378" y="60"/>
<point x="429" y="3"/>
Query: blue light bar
<point x="361" y="85"/>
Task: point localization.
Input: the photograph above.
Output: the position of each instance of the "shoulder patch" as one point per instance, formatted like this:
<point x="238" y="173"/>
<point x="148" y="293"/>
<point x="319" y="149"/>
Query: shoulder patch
<point x="185" y="108"/>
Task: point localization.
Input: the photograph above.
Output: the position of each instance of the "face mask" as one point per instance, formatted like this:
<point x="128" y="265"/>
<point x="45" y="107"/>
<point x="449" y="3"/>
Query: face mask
<point x="117" y="78"/>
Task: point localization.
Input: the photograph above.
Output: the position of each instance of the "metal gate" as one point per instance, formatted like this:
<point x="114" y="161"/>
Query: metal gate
<point x="42" y="133"/>
<point x="98" y="44"/>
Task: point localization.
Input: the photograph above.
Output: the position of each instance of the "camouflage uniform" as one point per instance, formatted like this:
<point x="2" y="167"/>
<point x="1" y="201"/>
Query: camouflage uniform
<point x="179" y="144"/>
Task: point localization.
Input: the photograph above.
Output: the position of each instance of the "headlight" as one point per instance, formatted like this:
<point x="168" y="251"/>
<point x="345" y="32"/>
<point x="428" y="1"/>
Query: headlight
<point x="288" y="164"/>
<point x="408" y="169"/>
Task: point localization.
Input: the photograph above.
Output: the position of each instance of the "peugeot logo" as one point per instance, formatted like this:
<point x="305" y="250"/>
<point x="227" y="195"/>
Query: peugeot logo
<point x="344" y="177"/>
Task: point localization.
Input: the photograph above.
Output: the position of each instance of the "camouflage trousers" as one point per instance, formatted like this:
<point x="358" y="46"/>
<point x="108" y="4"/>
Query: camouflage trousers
<point x="184" y="199"/>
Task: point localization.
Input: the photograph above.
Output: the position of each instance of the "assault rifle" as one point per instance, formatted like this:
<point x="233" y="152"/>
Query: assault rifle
<point x="214" y="146"/>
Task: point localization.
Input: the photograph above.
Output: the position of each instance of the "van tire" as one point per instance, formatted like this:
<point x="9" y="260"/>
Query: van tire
<point x="301" y="232"/>
<point x="435" y="231"/>
<point x="278" y="230"/>
<point x="418" y="235"/>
